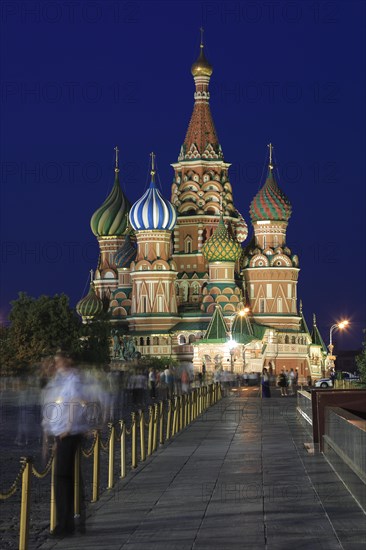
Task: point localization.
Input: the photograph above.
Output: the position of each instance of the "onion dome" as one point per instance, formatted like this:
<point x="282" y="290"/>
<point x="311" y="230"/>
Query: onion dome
<point x="270" y="203"/>
<point x="220" y="247"/>
<point x="110" y="220"/>
<point x="126" y="254"/>
<point x="152" y="211"/>
<point x="90" y="306"/>
<point x="201" y="67"/>
<point x="241" y="229"/>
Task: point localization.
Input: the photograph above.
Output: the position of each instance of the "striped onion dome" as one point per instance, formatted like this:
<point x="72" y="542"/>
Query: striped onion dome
<point x="152" y="211"/>
<point x="110" y="220"/>
<point x="90" y="306"/>
<point x="270" y="203"/>
<point x="220" y="247"/>
<point x="241" y="229"/>
<point x="126" y="254"/>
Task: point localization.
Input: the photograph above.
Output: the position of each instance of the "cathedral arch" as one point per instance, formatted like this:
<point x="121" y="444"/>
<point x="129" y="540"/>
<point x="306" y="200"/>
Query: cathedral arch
<point x="259" y="260"/>
<point x="181" y="340"/>
<point x="280" y="260"/>
<point x="191" y="338"/>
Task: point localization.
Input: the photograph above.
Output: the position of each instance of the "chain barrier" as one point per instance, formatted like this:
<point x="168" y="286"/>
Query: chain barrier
<point x="10" y="492"/>
<point x="105" y="446"/>
<point x="89" y="452"/>
<point x="180" y="412"/>
<point x="47" y="469"/>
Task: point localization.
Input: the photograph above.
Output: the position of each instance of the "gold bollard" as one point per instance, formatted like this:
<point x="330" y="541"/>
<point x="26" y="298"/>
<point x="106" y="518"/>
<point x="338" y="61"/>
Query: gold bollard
<point x="133" y="441"/>
<point x="150" y="432"/>
<point x="175" y="413"/>
<point x="111" y="457"/>
<point x="142" y="436"/>
<point x="168" y="420"/>
<point x="53" y="496"/>
<point x="96" y="469"/>
<point x="155" y="433"/>
<point x="180" y="427"/>
<point x="161" y="423"/>
<point x="76" y="483"/>
<point x="25" y="503"/>
<point x="123" y="448"/>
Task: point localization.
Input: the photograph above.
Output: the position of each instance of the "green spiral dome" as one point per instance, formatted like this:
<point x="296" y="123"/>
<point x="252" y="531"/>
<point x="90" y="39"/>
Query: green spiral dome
<point x="90" y="306"/>
<point x="220" y="247"/>
<point x="110" y="220"/>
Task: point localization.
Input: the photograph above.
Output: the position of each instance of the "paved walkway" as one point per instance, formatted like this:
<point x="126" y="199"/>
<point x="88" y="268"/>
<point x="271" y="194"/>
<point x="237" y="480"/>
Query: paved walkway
<point x="238" y="477"/>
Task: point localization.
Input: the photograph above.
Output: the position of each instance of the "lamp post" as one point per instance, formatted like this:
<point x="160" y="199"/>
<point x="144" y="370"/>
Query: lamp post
<point x="336" y="326"/>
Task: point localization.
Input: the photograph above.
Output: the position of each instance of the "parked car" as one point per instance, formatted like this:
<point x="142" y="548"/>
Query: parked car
<point x="324" y="383"/>
<point x="350" y="376"/>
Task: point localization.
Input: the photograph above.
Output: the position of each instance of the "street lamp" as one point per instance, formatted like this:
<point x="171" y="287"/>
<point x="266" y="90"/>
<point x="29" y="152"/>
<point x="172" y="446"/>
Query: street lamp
<point x="232" y="343"/>
<point x="337" y="326"/>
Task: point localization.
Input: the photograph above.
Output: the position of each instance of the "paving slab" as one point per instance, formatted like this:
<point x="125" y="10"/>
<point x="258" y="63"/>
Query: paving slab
<point x="238" y="477"/>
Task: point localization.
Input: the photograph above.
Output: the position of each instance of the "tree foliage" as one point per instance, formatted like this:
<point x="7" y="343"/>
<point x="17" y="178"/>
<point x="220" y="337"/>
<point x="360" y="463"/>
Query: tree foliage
<point x="38" y="327"/>
<point x="361" y="360"/>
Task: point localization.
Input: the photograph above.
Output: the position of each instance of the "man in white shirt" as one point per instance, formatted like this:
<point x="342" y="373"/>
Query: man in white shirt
<point x="65" y="417"/>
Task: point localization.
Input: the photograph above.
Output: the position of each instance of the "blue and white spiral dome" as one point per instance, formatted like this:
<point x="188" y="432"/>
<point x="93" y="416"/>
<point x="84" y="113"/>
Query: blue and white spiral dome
<point x="152" y="211"/>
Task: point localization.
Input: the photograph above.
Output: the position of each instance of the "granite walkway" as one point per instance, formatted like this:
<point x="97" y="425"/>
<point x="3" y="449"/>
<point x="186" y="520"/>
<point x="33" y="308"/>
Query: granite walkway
<point x="238" y="477"/>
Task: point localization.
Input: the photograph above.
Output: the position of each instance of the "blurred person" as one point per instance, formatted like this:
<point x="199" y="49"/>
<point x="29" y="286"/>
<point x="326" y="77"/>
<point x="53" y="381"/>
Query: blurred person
<point x="65" y="418"/>
<point x="152" y="383"/>
<point x="185" y="381"/>
<point x="282" y="383"/>
<point x="291" y="382"/>
<point x="266" y="391"/>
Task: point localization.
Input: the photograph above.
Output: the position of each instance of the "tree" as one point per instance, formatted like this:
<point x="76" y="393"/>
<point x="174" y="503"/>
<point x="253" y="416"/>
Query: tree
<point x="38" y="327"/>
<point x="95" y="341"/>
<point x="361" y="360"/>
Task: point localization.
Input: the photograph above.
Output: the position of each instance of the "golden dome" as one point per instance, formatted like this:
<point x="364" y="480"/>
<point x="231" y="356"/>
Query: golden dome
<point x="201" y="67"/>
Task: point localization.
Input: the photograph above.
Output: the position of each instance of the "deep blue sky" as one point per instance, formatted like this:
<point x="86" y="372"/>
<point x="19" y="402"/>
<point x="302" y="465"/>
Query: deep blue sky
<point x="79" y="78"/>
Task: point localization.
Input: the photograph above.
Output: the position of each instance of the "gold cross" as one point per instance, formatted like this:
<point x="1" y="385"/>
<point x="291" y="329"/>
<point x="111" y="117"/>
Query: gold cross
<point x="270" y="155"/>
<point x="202" y="31"/>
<point x="91" y="275"/>
<point x="152" y="173"/>
<point x="117" y="151"/>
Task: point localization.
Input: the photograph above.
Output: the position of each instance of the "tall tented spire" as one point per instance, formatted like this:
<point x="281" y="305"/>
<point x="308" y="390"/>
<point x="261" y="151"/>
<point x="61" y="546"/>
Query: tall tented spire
<point x="316" y="337"/>
<point x="201" y="140"/>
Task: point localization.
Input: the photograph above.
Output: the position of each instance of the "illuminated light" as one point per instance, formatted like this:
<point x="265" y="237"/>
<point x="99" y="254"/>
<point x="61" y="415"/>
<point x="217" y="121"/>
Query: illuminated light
<point x="263" y="222"/>
<point x="231" y="344"/>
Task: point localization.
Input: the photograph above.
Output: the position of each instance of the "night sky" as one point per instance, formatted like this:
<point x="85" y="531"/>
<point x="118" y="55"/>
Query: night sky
<point x="79" y="78"/>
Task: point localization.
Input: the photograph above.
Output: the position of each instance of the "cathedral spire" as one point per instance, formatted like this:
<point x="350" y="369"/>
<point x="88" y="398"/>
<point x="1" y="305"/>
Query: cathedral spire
<point x="201" y="140"/>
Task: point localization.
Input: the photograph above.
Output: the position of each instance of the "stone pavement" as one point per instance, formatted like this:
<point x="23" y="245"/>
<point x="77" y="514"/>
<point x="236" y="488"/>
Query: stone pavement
<point x="238" y="477"/>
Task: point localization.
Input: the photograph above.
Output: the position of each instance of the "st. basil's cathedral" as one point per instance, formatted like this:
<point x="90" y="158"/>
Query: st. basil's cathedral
<point x="177" y="280"/>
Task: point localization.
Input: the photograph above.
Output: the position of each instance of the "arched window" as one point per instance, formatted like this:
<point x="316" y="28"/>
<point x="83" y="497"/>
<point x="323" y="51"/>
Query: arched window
<point x="188" y="244"/>
<point x="192" y="338"/>
<point x="287" y="340"/>
<point x="148" y="341"/>
<point x="155" y="341"/>
<point x="181" y="339"/>
<point x="141" y="341"/>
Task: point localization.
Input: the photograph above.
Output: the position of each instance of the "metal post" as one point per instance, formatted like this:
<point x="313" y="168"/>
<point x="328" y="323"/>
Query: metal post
<point x="155" y="431"/>
<point x="53" y="496"/>
<point x="161" y="423"/>
<point x="168" y="420"/>
<point x="111" y="457"/>
<point x="96" y="469"/>
<point x="150" y="433"/>
<point x="142" y="436"/>
<point x="174" y="429"/>
<point x="133" y="441"/>
<point x="180" y="427"/>
<point x="25" y="503"/>
<point x="77" y="483"/>
<point x="123" y="448"/>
